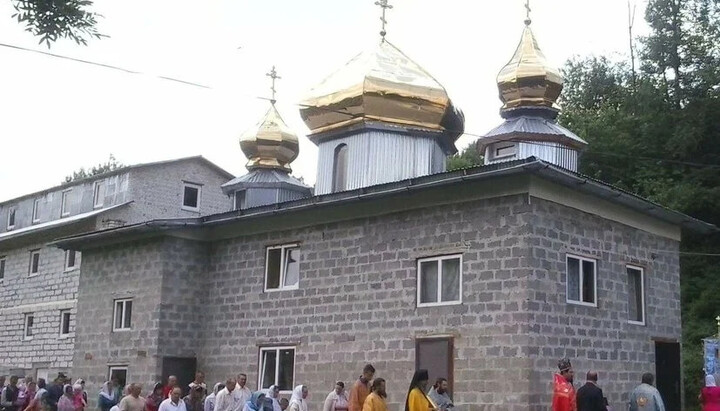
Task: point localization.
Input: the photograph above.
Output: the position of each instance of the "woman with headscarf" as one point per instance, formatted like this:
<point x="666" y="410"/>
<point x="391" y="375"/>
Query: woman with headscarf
<point x="255" y="403"/>
<point x="79" y="397"/>
<point x="710" y="395"/>
<point x="298" y="401"/>
<point x="337" y="400"/>
<point x="67" y="400"/>
<point x="107" y="398"/>
<point x="81" y="382"/>
<point x="272" y="397"/>
<point x="152" y="402"/>
<point x="29" y="402"/>
<point x="416" y="398"/>
<point x="209" y="404"/>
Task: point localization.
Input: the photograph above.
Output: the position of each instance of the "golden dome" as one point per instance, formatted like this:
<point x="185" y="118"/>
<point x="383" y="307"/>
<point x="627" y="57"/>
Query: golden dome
<point x="270" y="144"/>
<point x="382" y="85"/>
<point x="527" y="80"/>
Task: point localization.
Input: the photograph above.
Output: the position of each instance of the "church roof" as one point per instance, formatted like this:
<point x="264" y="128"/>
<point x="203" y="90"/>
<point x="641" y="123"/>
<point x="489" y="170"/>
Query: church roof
<point x="270" y="144"/>
<point x="536" y="128"/>
<point x="265" y="178"/>
<point x="326" y="205"/>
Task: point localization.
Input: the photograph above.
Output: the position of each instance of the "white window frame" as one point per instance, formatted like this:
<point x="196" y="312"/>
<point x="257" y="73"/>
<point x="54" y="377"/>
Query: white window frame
<point x="282" y="249"/>
<point x="36" y="211"/>
<point x="62" y="319"/>
<point x="642" y="293"/>
<point x="27" y="317"/>
<point x="199" y="196"/>
<point x="439" y="260"/>
<point x="30" y="266"/>
<point x="12" y="211"/>
<point x="64" y="206"/>
<point x="124" y="312"/>
<point x="3" y="268"/>
<point x="67" y="260"/>
<point x="581" y="280"/>
<point x="98" y="197"/>
<point x="277" y="349"/>
<point x="501" y="146"/>
<point x="119" y="368"/>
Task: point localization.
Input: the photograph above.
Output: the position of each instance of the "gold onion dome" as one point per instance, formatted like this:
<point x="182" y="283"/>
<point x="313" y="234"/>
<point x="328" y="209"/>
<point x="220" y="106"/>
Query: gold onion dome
<point x="528" y="80"/>
<point x="270" y="144"/>
<point x="381" y="85"/>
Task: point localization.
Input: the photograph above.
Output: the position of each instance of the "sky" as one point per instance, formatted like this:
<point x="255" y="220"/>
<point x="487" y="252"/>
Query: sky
<point x="59" y="115"/>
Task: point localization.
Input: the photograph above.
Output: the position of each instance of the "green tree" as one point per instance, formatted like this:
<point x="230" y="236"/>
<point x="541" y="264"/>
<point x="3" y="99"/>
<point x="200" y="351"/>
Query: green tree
<point x="51" y="20"/>
<point x="469" y="157"/>
<point x="110" y="165"/>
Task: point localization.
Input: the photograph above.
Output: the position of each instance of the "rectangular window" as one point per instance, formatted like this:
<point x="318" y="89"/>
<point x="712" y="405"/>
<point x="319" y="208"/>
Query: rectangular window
<point x="636" y="294"/>
<point x="119" y="373"/>
<point x="65" y="204"/>
<point x="191" y="197"/>
<point x="64" y="323"/>
<point x="29" y="323"/>
<point x="581" y="280"/>
<point x="99" y="194"/>
<point x="36" y="211"/>
<point x="11" y="219"/>
<point x="34" y="268"/>
<point x="439" y="281"/>
<point x="70" y="260"/>
<point x="282" y="267"/>
<point x="239" y="199"/>
<point x="2" y="269"/>
<point x="507" y="150"/>
<point x="277" y="367"/>
<point x="122" y="315"/>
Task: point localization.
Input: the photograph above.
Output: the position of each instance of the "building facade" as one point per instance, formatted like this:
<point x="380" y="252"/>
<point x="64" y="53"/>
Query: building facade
<point x="39" y="283"/>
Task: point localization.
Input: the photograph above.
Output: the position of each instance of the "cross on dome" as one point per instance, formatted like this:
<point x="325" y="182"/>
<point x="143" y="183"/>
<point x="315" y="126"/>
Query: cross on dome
<point x="384" y="6"/>
<point x="274" y="76"/>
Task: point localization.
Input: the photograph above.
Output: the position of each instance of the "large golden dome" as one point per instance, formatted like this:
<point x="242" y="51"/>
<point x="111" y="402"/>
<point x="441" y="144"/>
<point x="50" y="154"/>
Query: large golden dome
<point x="528" y="80"/>
<point x="382" y="85"/>
<point x="270" y="144"/>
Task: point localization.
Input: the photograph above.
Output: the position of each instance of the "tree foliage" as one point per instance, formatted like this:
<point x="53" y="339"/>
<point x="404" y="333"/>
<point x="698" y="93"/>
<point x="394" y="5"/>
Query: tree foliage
<point x="660" y="137"/>
<point x="51" y="20"/>
<point x="110" y="165"/>
<point x="468" y="157"/>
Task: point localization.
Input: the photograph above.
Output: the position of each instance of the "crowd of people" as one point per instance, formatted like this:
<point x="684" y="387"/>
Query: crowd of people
<point x="60" y="395"/>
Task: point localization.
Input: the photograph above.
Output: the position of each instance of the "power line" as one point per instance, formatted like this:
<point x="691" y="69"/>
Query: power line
<point x="351" y="115"/>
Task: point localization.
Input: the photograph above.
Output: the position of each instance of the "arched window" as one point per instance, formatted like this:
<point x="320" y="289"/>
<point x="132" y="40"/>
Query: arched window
<point x="340" y="166"/>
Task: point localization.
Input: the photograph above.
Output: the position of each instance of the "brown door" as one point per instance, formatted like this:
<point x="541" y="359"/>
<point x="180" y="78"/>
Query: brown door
<point x="436" y="356"/>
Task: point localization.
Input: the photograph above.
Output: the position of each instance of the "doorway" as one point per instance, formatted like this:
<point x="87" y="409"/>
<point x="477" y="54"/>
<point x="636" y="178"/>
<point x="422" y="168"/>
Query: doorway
<point x="437" y="356"/>
<point x="667" y="373"/>
<point x="183" y="368"/>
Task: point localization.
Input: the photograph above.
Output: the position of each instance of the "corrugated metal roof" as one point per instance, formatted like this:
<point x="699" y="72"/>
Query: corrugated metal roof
<point x="544" y="128"/>
<point x="265" y="178"/>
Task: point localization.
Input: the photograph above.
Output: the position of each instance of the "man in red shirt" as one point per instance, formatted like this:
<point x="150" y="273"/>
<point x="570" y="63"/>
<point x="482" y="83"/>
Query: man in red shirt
<point x="563" y="390"/>
<point x="172" y="383"/>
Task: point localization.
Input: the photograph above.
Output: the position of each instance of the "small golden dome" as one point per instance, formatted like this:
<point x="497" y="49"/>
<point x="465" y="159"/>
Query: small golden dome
<point x="382" y="85"/>
<point x="528" y="80"/>
<point x="270" y="144"/>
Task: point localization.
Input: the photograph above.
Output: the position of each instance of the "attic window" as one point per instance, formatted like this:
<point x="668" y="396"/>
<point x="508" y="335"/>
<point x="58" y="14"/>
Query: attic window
<point x="504" y="150"/>
<point x="191" y="197"/>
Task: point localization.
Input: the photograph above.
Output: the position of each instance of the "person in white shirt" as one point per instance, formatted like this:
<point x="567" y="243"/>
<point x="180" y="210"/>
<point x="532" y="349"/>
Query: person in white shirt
<point x="225" y="400"/>
<point x="210" y="399"/>
<point x="242" y="393"/>
<point x="174" y="403"/>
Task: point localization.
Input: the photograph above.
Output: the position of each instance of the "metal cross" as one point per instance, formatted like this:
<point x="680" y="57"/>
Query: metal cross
<point x="274" y="76"/>
<point x="384" y="6"/>
<point x="527" y="13"/>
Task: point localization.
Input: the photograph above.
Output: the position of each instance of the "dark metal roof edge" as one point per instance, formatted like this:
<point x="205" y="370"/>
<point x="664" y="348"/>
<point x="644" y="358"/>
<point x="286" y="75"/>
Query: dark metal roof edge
<point x="160" y="225"/>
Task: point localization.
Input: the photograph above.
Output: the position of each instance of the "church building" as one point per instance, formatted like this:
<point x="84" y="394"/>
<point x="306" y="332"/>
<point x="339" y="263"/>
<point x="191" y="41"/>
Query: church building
<point x="486" y="275"/>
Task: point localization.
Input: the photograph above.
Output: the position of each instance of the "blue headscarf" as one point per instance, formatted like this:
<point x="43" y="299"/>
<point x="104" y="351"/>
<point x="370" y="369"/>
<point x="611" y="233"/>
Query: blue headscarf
<point x="254" y="400"/>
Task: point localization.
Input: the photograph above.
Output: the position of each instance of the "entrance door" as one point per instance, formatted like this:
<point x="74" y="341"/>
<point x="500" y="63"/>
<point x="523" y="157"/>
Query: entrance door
<point x="183" y="368"/>
<point x="667" y="373"/>
<point x="436" y="356"/>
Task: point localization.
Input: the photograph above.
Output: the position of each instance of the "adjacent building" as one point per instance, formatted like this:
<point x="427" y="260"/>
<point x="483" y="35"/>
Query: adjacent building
<point x="39" y="284"/>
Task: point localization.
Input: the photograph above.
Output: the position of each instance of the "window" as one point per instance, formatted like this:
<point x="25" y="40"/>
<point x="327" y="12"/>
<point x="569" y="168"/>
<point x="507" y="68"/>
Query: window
<point x="119" y="373"/>
<point x="34" y="268"/>
<point x="282" y="267"/>
<point x="581" y="281"/>
<point x="191" y="197"/>
<point x="36" y="211"/>
<point x="2" y="269"/>
<point x="122" y="315"/>
<point x="70" y="260"/>
<point x="65" y="204"/>
<point x="439" y="280"/>
<point x="64" y="323"/>
<point x="239" y="199"/>
<point x="277" y="367"/>
<point x="504" y="150"/>
<point x="636" y="294"/>
<point x="99" y="194"/>
<point x="11" y="219"/>
<point x="339" y="182"/>
<point x="29" y="323"/>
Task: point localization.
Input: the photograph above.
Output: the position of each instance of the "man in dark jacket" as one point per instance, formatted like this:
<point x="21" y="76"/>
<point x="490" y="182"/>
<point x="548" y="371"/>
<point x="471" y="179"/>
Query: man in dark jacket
<point x="590" y="396"/>
<point x="9" y="395"/>
<point x="55" y="391"/>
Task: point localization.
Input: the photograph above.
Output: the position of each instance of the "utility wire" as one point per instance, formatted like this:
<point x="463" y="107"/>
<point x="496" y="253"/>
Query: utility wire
<point x="351" y="115"/>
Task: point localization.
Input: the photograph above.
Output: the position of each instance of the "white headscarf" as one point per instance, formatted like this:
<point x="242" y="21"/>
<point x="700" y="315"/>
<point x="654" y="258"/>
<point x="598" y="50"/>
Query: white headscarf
<point x="297" y="397"/>
<point x="106" y="391"/>
<point x="710" y="381"/>
<point x="269" y="393"/>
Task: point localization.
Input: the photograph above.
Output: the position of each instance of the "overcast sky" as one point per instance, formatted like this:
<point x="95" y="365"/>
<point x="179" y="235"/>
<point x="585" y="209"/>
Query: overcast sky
<point x="58" y="115"/>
